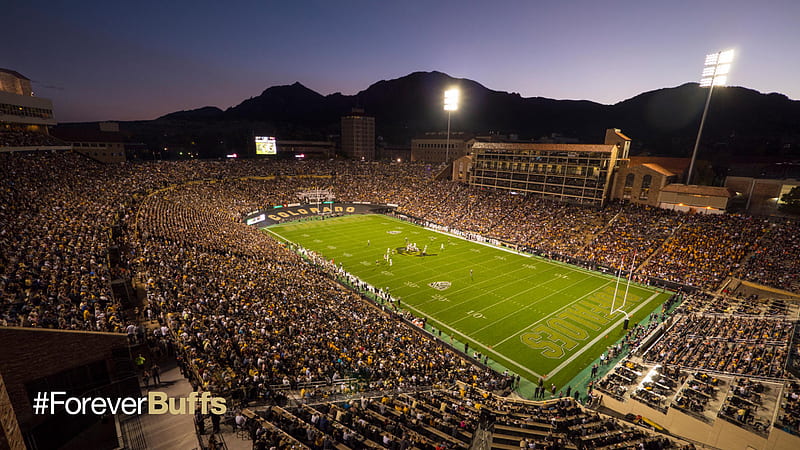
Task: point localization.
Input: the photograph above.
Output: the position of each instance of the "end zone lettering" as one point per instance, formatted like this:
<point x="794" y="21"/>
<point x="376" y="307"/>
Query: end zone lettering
<point x="305" y="212"/>
<point x="284" y="213"/>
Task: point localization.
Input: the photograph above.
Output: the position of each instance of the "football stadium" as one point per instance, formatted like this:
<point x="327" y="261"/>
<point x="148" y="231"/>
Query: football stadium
<point x="336" y="303"/>
<point x="522" y="311"/>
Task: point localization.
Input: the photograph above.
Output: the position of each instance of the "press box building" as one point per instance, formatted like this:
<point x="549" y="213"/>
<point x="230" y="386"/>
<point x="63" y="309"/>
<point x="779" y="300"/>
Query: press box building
<point x="574" y="173"/>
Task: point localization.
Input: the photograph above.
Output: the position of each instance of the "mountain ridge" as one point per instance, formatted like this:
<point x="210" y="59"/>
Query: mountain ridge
<point x="662" y="121"/>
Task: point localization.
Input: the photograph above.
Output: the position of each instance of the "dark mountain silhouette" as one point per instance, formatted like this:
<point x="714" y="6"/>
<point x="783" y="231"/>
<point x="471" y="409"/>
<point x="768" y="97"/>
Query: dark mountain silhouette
<point x="204" y="113"/>
<point x="740" y="121"/>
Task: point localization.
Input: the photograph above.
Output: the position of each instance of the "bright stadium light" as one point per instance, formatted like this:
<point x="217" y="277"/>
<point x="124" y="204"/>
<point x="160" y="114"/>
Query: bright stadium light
<point x="715" y="73"/>
<point x="451" y="99"/>
<point x="450" y="105"/>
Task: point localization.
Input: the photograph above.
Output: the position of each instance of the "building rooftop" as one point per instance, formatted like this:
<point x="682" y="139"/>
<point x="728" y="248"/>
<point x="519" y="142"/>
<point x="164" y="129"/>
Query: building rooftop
<point x="86" y="134"/>
<point x="705" y="191"/>
<point x="675" y="165"/>
<point x="522" y="146"/>
<point x="619" y="133"/>
<point x="658" y="169"/>
<point x="14" y="73"/>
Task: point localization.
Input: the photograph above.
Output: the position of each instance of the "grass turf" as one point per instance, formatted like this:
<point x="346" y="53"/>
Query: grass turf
<point x="536" y="317"/>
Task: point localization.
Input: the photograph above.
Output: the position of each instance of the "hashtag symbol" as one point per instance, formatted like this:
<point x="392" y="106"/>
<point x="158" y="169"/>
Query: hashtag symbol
<point x="41" y="403"/>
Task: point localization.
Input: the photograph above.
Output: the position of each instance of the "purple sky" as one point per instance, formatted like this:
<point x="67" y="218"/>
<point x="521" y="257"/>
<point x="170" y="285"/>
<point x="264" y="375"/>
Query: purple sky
<point x="138" y="60"/>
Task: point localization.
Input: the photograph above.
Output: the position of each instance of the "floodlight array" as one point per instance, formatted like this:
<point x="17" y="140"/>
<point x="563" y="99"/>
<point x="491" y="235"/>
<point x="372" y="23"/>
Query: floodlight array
<point x="451" y="99"/>
<point x="717" y="66"/>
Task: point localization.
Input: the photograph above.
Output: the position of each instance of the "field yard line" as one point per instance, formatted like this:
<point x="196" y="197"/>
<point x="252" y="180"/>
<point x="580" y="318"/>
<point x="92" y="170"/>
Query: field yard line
<point x="525" y="255"/>
<point x="477" y="242"/>
<point x="599" y="336"/>
<point x="479" y="261"/>
<point x="276" y="234"/>
<point x="532" y="304"/>
<point x="471" y="286"/>
<point x="551" y="314"/>
<point x="484" y="347"/>
<point x="524" y="308"/>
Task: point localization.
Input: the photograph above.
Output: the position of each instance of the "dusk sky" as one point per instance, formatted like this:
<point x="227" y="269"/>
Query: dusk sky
<point x="139" y="60"/>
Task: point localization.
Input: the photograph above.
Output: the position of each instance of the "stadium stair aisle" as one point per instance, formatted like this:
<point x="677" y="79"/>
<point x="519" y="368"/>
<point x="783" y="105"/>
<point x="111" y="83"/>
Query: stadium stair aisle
<point x="599" y="233"/>
<point x="756" y="247"/>
<point x="658" y="250"/>
<point x="169" y="431"/>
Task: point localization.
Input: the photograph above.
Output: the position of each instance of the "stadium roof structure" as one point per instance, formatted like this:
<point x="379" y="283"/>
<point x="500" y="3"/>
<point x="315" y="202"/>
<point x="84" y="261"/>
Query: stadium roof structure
<point x="705" y="191"/>
<point x="14" y="73"/>
<point x="659" y="169"/>
<point x="673" y="164"/>
<point x="619" y="133"/>
<point x="523" y="146"/>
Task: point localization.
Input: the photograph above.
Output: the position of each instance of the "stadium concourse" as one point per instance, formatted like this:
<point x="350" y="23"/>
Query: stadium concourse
<point x="254" y="322"/>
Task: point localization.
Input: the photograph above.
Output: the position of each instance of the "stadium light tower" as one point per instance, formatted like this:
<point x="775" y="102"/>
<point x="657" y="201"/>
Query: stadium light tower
<point x="450" y="105"/>
<point x="715" y="73"/>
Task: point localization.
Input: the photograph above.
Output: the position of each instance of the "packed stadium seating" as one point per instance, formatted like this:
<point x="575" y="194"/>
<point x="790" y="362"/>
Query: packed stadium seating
<point x="23" y="138"/>
<point x="249" y="317"/>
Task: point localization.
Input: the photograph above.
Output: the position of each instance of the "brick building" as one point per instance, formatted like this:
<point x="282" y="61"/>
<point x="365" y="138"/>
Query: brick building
<point x="358" y="136"/>
<point x="102" y="142"/>
<point x="432" y="147"/>
<point x="641" y="183"/>
<point x="41" y="360"/>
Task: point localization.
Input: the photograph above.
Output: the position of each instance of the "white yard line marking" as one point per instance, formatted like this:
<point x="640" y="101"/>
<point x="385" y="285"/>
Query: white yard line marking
<point x="482" y="346"/>
<point x="478" y="242"/>
<point x="534" y="303"/>
<point x="539" y="300"/>
<point x="599" y="336"/>
<point x="553" y="313"/>
<point x="489" y="291"/>
<point x="276" y="234"/>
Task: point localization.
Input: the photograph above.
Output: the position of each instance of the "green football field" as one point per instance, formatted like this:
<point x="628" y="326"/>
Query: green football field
<point x="536" y="317"/>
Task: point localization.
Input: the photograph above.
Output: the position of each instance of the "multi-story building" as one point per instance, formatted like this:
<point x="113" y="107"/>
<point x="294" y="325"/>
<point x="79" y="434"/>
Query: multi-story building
<point x="399" y="153"/>
<point x="24" y="118"/>
<point x="762" y="196"/>
<point x="642" y="183"/>
<point x="575" y="173"/>
<point x="102" y="142"/>
<point x="358" y="136"/>
<point x="306" y="149"/>
<point x="432" y="147"/>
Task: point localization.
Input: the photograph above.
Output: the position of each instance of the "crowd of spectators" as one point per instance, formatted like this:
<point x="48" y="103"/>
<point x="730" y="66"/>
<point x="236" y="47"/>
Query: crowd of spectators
<point x="24" y="138"/>
<point x="740" y="305"/>
<point x="730" y="344"/>
<point x="561" y="423"/>
<point x="247" y="314"/>
<point x="743" y="406"/>
<point x="789" y="415"/>
<point x="444" y="419"/>
<point x="699" y="391"/>
<point x="775" y="259"/>
<point x="631" y="237"/>
<point x="55" y="271"/>
<point x="705" y="249"/>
